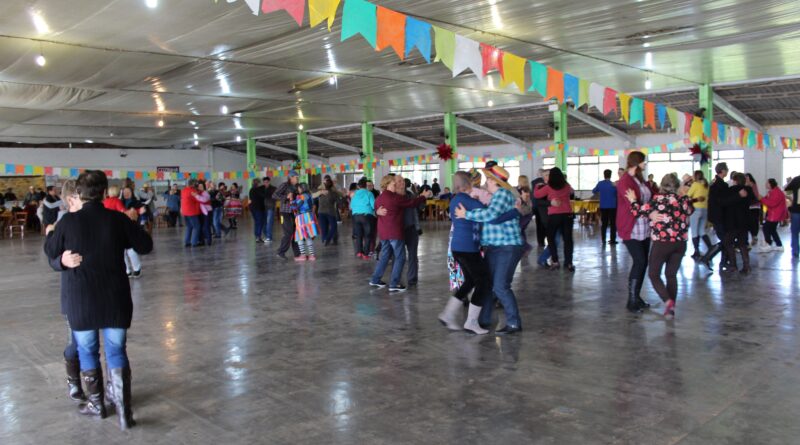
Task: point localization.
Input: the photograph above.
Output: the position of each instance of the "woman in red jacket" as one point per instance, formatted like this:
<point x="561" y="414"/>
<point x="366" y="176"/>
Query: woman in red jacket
<point x="634" y="230"/>
<point x="559" y="215"/>
<point x="776" y="213"/>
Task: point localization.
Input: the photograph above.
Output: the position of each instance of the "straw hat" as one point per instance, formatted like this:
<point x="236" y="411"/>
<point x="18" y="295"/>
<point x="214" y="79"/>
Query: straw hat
<point x="500" y="175"/>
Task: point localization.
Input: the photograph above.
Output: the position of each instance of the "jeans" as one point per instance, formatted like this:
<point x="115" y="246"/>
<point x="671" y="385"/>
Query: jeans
<point x="287" y="224"/>
<point x="192" y="230"/>
<point x="502" y="261"/>
<point x="670" y="254"/>
<point x="114" y="341"/>
<point x="609" y="220"/>
<point x="392" y="247"/>
<point x="541" y="222"/>
<point x="754" y="221"/>
<point x="362" y="233"/>
<point x="476" y="275"/>
<point x="771" y="233"/>
<point x="258" y="222"/>
<point x="795" y="230"/>
<point x="328" y="226"/>
<point x="217" y="220"/>
<point x="71" y="350"/>
<point x="205" y="223"/>
<point x="411" y="236"/>
<point x="546" y="252"/>
<point x="172" y="218"/>
<point x="132" y="261"/>
<point x="269" y="221"/>
<point x="560" y="222"/>
<point x="639" y="251"/>
<point x="698" y="221"/>
<point x="524" y="222"/>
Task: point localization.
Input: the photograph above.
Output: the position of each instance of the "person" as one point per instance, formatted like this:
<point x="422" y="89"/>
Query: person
<point x="50" y="207"/>
<point x="390" y="230"/>
<point x="148" y="199"/>
<point x="9" y="195"/>
<point x="190" y="209"/>
<point x="411" y="231"/>
<point x="737" y="217"/>
<point x="217" y="202"/>
<point x="285" y="194"/>
<point x="559" y="215"/>
<point x="373" y="243"/>
<point x="651" y="183"/>
<point x="526" y="215"/>
<point x="235" y="190"/>
<point x="134" y="209"/>
<point x="30" y="197"/>
<point x="794" y="188"/>
<point x="634" y="230"/>
<point x="608" y="207"/>
<point x="777" y="212"/>
<point x="718" y="200"/>
<point x="436" y="188"/>
<point x="362" y="206"/>
<point x="755" y="209"/>
<point x="502" y="245"/>
<point x="698" y="193"/>
<point x="540" y="210"/>
<point x="173" y="200"/>
<point x="446" y="195"/>
<point x="329" y="199"/>
<point x="425" y="187"/>
<point x="269" y="208"/>
<point x="305" y="223"/>
<point x="257" y="210"/>
<point x="233" y="208"/>
<point x="204" y="199"/>
<point x="371" y="188"/>
<point x="668" y="236"/>
<point x="97" y="296"/>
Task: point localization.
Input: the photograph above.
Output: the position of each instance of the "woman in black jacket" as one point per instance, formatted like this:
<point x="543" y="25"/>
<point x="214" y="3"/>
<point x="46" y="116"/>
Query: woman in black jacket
<point x="737" y="220"/>
<point x="96" y="295"/>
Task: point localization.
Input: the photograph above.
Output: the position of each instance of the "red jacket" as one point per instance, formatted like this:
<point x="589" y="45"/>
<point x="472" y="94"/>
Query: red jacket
<point x="625" y="218"/>
<point x="114" y="203"/>
<point x="391" y="225"/>
<point x="776" y="205"/>
<point x="189" y="205"/>
<point x="563" y="195"/>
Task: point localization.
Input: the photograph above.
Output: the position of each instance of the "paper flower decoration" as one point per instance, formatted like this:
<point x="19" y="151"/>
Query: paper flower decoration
<point x="445" y="152"/>
<point x="699" y="153"/>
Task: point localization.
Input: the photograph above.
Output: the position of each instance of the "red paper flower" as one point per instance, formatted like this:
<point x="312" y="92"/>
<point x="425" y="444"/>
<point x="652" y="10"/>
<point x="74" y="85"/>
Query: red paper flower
<point x="445" y="152"/>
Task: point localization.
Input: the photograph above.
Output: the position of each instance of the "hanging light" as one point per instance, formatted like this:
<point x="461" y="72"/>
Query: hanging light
<point x="332" y="80"/>
<point x="300" y="127"/>
<point x="490" y="103"/>
<point x="40" y="60"/>
<point x="152" y="4"/>
<point x="160" y="123"/>
<point x="238" y="138"/>
<point x="647" y="83"/>
<point x="223" y="109"/>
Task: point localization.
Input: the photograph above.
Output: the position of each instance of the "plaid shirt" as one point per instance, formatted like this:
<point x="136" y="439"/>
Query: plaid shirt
<point x="503" y="234"/>
<point x="641" y="228"/>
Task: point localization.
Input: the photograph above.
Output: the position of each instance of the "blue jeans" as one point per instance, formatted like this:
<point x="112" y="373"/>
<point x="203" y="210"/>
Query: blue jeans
<point x="502" y="261"/>
<point x="396" y="247"/>
<point x="192" y="230"/>
<point x="258" y="222"/>
<point x="217" y="220"/>
<point x="269" y="221"/>
<point x="795" y="229"/>
<point x="114" y="341"/>
<point x="546" y="252"/>
<point x="205" y="222"/>
<point x="71" y="350"/>
<point x="328" y="227"/>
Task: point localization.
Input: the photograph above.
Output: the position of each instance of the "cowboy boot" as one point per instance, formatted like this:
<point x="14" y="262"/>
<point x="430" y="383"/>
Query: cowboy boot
<point x="93" y="380"/>
<point x="633" y="303"/>
<point x="74" y="380"/>
<point x="121" y="382"/>
<point x="451" y="314"/>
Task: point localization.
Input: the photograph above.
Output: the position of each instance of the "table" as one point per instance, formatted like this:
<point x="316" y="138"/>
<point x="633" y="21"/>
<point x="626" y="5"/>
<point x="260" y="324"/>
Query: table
<point x="436" y="209"/>
<point x="586" y="210"/>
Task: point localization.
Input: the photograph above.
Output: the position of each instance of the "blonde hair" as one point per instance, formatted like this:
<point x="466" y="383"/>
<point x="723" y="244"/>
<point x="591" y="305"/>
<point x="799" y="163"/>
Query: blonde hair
<point x="113" y="191"/>
<point x="69" y="188"/>
<point x="386" y="180"/>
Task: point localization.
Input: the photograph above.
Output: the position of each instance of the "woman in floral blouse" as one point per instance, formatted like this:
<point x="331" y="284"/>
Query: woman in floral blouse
<point x="669" y="234"/>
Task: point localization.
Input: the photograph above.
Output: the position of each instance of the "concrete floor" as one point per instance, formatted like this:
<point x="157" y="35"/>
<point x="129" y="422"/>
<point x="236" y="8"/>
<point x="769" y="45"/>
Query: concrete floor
<point x="231" y="345"/>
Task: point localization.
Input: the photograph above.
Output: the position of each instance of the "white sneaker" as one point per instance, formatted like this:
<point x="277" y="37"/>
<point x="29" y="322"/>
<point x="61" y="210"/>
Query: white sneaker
<point x="777" y="249"/>
<point x="764" y="249"/>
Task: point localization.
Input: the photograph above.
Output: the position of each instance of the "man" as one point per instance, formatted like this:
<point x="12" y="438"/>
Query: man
<point x="374" y="229"/>
<point x="97" y="296"/>
<point x="173" y="200"/>
<point x="390" y="230"/>
<point x="30" y="196"/>
<point x="447" y="195"/>
<point x="608" y="206"/>
<point x="285" y="194"/>
<point x="269" y="208"/>
<point x="190" y="209"/>
<point x="9" y="195"/>
<point x="719" y="197"/>
<point x="411" y="232"/>
<point x="217" y="203"/>
<point x="794" y="187"/>
<point x="425" y="187"/>
<point x="371" y="188"/>
<point x="540" y="210"/>
<point x="436" y="188"/>
<point x="651" y="183"/>
<point x="50" y="207"/>
<point x="258" y="199"/>
<point x="502" y="245"/>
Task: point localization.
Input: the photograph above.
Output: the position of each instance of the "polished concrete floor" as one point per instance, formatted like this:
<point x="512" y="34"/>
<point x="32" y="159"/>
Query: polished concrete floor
<point x="231" y="345"/>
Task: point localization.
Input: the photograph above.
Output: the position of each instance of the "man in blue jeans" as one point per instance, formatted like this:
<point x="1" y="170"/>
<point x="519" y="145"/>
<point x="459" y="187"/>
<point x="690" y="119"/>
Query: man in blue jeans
<point x="794" y="209"/>
<point x="257" y="202"/>
<point x="502" y="245"/>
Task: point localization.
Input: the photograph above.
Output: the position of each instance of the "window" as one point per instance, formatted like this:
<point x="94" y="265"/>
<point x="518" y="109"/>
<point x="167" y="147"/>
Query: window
<point x="345" y="179"/>
<point x="418" y="173"/>
<point x="584" y="172"/>
<point x="512" y="167"/>
<point x="660" y="164"/>
<point x="791" y="164"/>
<point x="734" y="159"/>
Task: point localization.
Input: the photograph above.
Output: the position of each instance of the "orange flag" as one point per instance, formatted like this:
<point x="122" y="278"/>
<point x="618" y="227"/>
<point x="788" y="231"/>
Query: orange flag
<point x="650" y="114"/>
<point x="391" y="31"/>
<point x="555" y="84"/>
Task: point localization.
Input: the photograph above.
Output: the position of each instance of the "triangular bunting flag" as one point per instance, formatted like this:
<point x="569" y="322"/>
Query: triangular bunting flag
<point x="445" y="46"/>
<point x="609" y="101"/>
<point x="391" y="31"/>
<point x="687" y="123"/>
<point x="492" y="59"/>
<point x="513" y="71"/>
<point x="650" y="114"/>
<point x="319" y="10"/>
<point x="254" y="5"/>
<point x="359" y="17"/>
<point x="624" y="106"/>
<point x="637" y="111"/>
<point x="538" y="78"/>
<point x="696" y="130"/>
<point x="295" y="8"/>
<point x="662" y="115"/>
<point x="418" y="34"/>
<point x="555" y="84"/>
<point x="467" y="55"/>
<point x="674" y="118"/>
<point x="596" y="96"/>
<point x="583" y="93"/>
<point x="571" y="88"/>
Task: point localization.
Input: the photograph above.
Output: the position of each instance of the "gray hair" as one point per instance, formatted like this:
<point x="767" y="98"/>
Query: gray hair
<point x="670" y="183"/>
<point x="461" y="181"/>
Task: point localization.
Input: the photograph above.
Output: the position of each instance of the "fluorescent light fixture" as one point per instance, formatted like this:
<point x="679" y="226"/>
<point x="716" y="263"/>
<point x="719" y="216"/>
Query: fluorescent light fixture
<point x="152" y="4"/>
<point x="39" y="22"/>
<point x="646" y="44"/>
<point x="89" y="141"/>
<point x="648" y="84"/>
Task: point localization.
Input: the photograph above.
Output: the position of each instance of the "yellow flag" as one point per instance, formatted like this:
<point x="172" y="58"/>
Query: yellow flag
<point x="513" y="71"/>
<point x="696" y="131"/>
<point x="319" y="10"/>
<point x="625" y="106"/>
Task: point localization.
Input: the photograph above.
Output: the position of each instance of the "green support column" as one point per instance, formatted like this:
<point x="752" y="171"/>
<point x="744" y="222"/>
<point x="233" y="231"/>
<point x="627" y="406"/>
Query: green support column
<point x="707" y="102"/>
<point x="451" y="139"/>
<point x="251" y="156"/>
<point x="367" y="148"/>
<point x="560" y="137"/>
<point x="302" y="153"/>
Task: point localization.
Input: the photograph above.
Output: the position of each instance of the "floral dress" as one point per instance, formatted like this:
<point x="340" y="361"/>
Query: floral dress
<point x="677" y="208"/>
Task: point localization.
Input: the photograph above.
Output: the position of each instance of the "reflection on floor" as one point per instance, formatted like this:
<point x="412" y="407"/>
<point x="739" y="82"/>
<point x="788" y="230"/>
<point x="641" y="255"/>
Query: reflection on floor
<point x="232" y="345"/>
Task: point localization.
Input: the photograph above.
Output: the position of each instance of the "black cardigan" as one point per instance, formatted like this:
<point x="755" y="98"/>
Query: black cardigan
<point x="97" y="294"/>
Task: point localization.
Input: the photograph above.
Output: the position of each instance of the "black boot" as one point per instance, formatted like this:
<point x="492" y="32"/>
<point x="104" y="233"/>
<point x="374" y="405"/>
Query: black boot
<point x="707" y="240"/>
<point x="93" y="380"/>
<point x="696" y="243"/>
<point x="642" y="304"/>
<point x="121" y="382"/>
<point x="633" y="304"/>
<point x="709" y="256"/>
<point x="74" y="380"/>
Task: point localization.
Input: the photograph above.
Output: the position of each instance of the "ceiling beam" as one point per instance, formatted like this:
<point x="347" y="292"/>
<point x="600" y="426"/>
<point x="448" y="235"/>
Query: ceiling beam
<point x="737" y="114"/>
<point x="335" y="144"/>
<point x="602" y="126"/>
<point x="402" y="138"/>
<point x="288" y="151"/>
<point x="490" y="132"/>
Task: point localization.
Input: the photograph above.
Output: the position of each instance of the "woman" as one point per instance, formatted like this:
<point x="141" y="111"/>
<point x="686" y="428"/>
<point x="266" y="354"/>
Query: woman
<point x="329" y="198"/>
<point x="634" y="230"/>
<point x="669" y="236"/>
<point x="233" y="207"/>
<point x="738" y="220"/>
<point x="362" y="206"/>
<point x="526" y="209"/>
<point x="97" y="297"/>
<point x="206" y="213"/>
<point x="135" y="209"/>
<point x="755" y="209"/>
<point x="777" y="212"/>
<point x="559" y="215"/>
<point x="698" y="193"/>
<point x="305" y="223"/>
